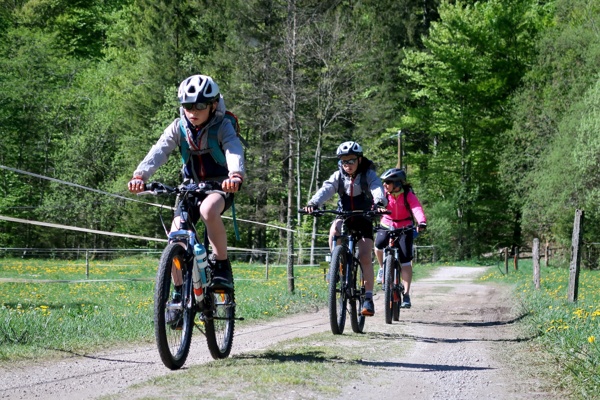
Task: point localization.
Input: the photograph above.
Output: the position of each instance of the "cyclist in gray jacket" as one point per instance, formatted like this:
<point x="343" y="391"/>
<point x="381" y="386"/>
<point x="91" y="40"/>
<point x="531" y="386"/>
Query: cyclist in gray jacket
<point x="211" y="150"/>
<point x="359" y="188"/>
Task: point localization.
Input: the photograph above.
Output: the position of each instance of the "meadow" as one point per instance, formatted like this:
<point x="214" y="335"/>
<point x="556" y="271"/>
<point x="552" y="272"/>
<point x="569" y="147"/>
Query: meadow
<point x="48" y="307"/>
<point x="569" y="332"/>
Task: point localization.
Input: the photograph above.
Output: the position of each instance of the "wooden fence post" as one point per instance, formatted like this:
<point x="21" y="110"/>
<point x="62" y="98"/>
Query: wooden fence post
<point x="506" y="260"/>
<point x="546" y="254"/>
<point x="574" y="267"/>
<point x="516" y="258"/>
<point x="536" y="262"/>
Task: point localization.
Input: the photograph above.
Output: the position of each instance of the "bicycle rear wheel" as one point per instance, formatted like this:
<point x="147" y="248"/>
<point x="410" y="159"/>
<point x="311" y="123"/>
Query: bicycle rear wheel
<point x="357" y="320"/>
<point x="389" y="283"/>
<point x="220" y="323"/>
<point x="173" y="338"/>
<point x="338" y="300"/>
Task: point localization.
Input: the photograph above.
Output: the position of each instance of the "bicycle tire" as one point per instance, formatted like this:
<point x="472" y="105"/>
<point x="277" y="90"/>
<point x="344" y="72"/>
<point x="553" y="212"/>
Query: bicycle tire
<point x="173" y="342"/>
<point x="219" y="323"/>
<point x="388" y="283"/>
<point x="398" y="292"/>
<point x="338" y="300"/>
<point x="357" y="320"/>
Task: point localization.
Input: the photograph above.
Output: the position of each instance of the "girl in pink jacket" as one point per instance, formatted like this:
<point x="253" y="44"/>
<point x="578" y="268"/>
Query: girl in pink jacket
<point x="405" y="211"/>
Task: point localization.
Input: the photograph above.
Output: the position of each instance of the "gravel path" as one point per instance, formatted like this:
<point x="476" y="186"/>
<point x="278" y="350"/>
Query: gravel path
<point x="461" y="339"/>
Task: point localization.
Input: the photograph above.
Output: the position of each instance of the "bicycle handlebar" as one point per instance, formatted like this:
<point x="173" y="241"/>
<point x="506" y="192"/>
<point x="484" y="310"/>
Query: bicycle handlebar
<point x="207" y="187"/>
<point x="365" y="213"/>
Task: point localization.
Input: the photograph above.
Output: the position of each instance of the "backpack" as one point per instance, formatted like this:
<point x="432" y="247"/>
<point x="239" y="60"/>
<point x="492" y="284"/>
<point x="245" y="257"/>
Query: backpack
<point x="406" y="189"/>
<point x="214" y="148"/>
<point x="364" y="185"/>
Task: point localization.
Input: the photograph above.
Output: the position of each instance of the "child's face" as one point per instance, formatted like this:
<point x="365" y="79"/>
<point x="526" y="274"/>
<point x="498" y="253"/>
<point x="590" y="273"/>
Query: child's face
<point x="350" y="163"/>
<point x="390" y="187"/>
<point x="198" y="117"/>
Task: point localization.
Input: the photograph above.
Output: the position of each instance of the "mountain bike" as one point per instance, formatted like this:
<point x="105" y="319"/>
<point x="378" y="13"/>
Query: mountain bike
<point x="345" y="278"/>
<point x="176" y="300"/>
<point x="392" y="275"/>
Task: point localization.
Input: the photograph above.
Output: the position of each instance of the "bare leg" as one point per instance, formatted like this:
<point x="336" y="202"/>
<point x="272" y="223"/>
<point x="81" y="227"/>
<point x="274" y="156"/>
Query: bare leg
<point x="210" y="211"/>
<point x="334" y="230"/>
<point x="379" y="255"/>
<point x="407" y="273"/>
<point x="365" y="249"/>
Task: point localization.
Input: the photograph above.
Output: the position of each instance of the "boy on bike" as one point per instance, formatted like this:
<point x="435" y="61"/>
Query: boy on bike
<point x="405" y="209"/>
<point x="211" y="151"/>
<point x="359" y="188"/>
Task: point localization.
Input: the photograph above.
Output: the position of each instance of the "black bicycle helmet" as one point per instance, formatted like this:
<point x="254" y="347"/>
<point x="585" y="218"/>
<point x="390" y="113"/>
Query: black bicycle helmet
<point x="396" y="175"/>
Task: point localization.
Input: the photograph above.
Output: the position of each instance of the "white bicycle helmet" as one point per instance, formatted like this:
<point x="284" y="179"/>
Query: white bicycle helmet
<point x="348" y="148"/>
<point x="198" y="89"/>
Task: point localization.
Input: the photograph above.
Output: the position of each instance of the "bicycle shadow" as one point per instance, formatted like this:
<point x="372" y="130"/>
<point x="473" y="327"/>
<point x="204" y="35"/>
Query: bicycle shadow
<point x="320" y="357"/>
<point x="433" y="340"/>
<point x="472" y="324"/>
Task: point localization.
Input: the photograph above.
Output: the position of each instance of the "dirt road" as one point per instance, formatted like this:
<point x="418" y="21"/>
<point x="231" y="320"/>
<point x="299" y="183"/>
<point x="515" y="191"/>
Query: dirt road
<point x="459" y="341"/>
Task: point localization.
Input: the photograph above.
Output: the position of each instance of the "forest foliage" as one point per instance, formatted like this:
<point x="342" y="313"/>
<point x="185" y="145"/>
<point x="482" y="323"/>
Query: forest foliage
<point x="497" y="103"/>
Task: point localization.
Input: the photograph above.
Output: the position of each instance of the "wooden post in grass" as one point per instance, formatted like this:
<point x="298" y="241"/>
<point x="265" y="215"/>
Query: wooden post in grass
<point x="516" y="258"/>
<point x="267" y="266"/>
<point x="574" y="267"/>
<point x="536" y="262"/>
<point x="87" y="264"/>
<point x="506" y="260"/>
<point x="546" y="254"/>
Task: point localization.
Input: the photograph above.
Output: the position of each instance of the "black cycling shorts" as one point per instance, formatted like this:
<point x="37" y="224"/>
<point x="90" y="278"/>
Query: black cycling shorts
<point x="405" y="244"/>
<point x="194" y="212"/>
<point x="362" y="225"/>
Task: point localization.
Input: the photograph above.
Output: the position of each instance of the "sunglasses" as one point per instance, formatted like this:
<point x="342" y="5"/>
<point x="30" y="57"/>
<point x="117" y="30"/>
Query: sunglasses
<point x="197" y="106"/>
<point x="388" y="182"/>
<point x="352" y="161"/>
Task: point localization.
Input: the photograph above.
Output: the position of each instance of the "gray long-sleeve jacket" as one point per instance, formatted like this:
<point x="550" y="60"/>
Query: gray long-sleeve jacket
<point x="353" y="197"/>
<point x="171" y="139"/>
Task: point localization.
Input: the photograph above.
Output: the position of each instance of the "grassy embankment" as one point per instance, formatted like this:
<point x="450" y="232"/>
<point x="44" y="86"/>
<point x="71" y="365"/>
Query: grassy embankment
<point x="569" y="332"/>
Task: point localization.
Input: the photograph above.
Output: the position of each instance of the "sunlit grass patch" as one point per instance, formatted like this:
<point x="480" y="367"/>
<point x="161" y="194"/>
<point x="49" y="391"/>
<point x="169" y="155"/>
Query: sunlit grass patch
<point x="567" y="330"/>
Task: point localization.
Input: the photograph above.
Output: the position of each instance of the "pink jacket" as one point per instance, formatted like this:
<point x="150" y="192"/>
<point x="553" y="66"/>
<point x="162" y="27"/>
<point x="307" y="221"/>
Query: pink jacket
<point x="400" y="216"/>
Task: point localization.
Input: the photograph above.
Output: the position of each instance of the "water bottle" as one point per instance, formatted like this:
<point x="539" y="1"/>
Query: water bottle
<point x="199" y="271"/>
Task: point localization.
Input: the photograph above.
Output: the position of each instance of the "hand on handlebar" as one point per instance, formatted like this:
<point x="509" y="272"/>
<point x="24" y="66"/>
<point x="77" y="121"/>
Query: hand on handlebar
<point x="310" y="208"/>
<point x="136" y="185"/>
<point x="231" y="185"/>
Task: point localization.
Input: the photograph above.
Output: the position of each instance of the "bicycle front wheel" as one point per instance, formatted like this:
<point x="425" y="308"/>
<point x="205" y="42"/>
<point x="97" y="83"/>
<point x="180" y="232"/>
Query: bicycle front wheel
<point x="357" y="320"/>
<point x="220" y="323"/>
<point x="389" y="284"/>
<point x="338" y="300"/>
<point x="173" y="315"/>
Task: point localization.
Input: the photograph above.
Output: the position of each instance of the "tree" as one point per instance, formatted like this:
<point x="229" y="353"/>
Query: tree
<point x="475" y="58"/>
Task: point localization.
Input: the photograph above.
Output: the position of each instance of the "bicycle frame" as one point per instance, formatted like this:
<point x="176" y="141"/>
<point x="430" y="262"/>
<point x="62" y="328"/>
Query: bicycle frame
<point x="343" y="274"/>
<point x="394" y="289"/>
<point x="175" y="303"/>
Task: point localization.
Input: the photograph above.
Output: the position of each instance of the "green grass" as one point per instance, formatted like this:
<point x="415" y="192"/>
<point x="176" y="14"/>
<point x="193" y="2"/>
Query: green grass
<point x="114" y="306"/>
<point x="570" y="332"/>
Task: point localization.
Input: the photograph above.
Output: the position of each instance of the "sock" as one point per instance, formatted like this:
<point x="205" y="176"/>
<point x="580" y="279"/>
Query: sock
<point x="369" y="294"/>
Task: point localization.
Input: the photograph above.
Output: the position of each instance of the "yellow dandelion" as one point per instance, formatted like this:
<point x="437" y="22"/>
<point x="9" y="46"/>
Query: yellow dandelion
<point x="592" y="339"/>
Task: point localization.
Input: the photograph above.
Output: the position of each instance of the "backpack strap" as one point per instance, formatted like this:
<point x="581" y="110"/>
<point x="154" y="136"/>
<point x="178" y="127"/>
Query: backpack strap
<point x="364" y="185"/>
<point x="405" y="190"/>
